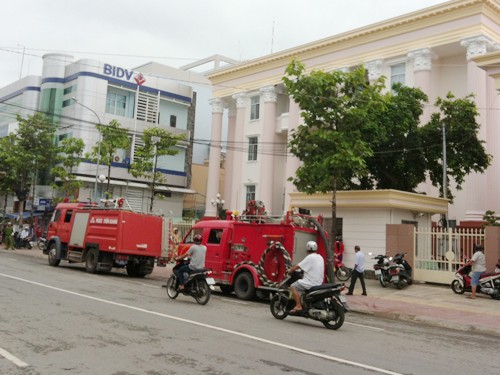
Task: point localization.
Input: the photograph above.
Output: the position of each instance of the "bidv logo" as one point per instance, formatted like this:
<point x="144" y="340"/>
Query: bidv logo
<point x="116" y="71"/>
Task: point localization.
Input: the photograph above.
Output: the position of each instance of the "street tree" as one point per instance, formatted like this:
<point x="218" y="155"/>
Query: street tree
<point x="339" y="111"/>
<point x="158" y="142"/>
<point x="70" y="153"/>
<point x="27" y="151"/>
<point x="113" y="137"/>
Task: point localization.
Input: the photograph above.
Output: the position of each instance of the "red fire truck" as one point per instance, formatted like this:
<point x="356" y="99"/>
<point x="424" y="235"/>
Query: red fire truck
<point x="107" y="237"/>
<point x="251" y="253"/>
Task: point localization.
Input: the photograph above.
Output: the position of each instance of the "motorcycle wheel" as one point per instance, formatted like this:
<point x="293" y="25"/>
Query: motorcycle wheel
<point x="201" y="291"/>
<point x="278" y="306"/>
<point x="457" y="287"/>
<point x="41" y="244"/>
<point x="343" y="273"/>
<point x="382" y="281"/>
<point x="337" y="322"/>
<point x="172" y="291"/>
<point x="402" y="283"/>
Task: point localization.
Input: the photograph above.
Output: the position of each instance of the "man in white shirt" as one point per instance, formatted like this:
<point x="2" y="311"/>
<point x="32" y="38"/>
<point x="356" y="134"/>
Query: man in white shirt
<point x="358" y="271"/>
<point x="313" y="266"/>
<point x="478" y="263"/>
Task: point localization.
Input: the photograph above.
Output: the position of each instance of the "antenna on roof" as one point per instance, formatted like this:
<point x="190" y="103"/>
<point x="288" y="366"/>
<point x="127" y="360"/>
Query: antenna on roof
<point x="272" y="37"/>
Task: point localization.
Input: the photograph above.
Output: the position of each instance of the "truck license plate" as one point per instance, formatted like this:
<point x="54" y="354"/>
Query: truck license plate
<point x="378" y="272"/>
<point x="210" y="280"/>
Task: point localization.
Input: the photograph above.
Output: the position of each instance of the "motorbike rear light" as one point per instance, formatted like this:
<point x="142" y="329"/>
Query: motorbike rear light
<point x="394" y="271"/>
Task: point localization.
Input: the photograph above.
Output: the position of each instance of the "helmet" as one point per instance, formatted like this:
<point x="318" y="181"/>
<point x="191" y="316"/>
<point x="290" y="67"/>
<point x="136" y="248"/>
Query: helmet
<point x="197" y="238"/>
<point x="478" y="247"/>
<point x="312" y="246"/>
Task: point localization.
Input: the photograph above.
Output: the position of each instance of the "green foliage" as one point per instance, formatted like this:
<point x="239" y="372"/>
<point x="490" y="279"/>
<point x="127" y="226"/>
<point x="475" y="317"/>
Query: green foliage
<point x="69" y="157"/>
<point x="491" y="218"/>
<point x="113" y="137"/>
<point x="157" y="143"/>
<point x="25" y="152"/>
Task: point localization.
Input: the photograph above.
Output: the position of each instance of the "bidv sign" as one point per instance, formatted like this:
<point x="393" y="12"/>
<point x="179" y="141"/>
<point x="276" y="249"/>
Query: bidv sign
<point x="117" y="72"/>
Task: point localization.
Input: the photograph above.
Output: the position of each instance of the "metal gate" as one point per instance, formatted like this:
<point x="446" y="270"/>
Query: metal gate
<point x="439" y="252"/>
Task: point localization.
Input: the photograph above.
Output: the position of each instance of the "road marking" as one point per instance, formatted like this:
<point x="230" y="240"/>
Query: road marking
<point x="209" y="326"/>
<point x="4" y="353"/>
<point x="234" y="301"/>
<point x="362" y="325"/>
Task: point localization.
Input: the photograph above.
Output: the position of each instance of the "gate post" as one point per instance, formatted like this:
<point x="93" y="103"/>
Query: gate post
<point x="491" y="246"/>
<point x="400" y="238"/>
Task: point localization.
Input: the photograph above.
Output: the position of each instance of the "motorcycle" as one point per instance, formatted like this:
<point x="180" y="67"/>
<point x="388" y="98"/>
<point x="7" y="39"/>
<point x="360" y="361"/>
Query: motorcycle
<point x="341" y="271"/>
<point x="400" y="271"/>
<point x="198" y="285"/>
<point x="42" y="243"/>
<point x="323" y="303"/>
<point x="489" y="283"/>
<point x="382" y="269"/>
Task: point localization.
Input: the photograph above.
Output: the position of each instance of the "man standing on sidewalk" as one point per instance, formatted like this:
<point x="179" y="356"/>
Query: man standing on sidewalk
<point x="478" y="263"/>
<point x="358" y="271"/>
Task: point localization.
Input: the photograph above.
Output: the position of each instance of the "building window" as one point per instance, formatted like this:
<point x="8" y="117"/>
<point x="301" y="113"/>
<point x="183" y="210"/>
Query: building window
<point x="68" y="102"/>
<point x="252" y="148"/>
<point x="116" y="104"/>
<point x="250" y="193"/>
<point x="69" y="90"/>
<point x="254" y="107"/>
<point x="398" y="74"/>
<point x="173" y="121"/>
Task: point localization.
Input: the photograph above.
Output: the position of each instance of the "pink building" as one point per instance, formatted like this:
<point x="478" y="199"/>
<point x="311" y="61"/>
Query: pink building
<point x="434" y="49"/>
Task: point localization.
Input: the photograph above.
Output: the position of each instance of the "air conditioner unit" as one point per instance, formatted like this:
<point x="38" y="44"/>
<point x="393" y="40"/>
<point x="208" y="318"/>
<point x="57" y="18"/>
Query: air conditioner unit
<point x="117" y="159"/>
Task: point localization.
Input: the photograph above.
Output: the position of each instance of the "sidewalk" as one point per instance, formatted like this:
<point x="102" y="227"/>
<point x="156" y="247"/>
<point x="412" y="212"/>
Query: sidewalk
<point x="434" y="305"/>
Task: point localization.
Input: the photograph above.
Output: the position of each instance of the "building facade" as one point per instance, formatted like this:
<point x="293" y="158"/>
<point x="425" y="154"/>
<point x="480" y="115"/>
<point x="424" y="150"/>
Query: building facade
<point x="433" y="49"/>
<point x="78" y="95"/>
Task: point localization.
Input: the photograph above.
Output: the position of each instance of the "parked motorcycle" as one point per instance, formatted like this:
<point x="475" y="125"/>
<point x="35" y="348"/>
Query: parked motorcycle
<point x="382" y="269"/>
<point x="198" y="285"/>
<point x="341" y="271"/>
<point x="400" y="271"/>
<point x="489" y="283"/>
<point x="24" y="243"/>
<point x="323" y="302"/>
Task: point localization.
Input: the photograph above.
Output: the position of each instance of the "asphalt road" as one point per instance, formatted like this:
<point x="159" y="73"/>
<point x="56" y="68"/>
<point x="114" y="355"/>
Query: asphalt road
<point x="65" y="321"/>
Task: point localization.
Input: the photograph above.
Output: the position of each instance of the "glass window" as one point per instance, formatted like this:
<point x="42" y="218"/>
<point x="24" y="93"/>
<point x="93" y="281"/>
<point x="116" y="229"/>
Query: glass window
<point x="398" y="73"/>
<point x="250" y="193"/>
<point x="173" y="121"/>
<point x="254" y="107"/>
<point x="252" y="148"/>
<point x="116" y="104"/>
<point x="68" y="90"/>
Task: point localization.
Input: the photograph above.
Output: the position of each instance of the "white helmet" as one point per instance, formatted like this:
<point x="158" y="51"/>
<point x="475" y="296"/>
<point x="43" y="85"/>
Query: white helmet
<point x="312" y="246"/>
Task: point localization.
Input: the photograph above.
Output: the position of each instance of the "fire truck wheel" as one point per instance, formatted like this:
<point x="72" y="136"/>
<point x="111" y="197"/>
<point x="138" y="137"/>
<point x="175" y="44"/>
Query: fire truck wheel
<point x="226" y="289"/>
<point x="244" y="287"/>
<point x="91" y="262"/>
<point x="53" y="261"/>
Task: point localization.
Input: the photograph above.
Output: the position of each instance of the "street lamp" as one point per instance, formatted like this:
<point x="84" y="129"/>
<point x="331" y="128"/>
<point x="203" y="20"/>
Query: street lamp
<point x="98" y="146"/>
<point x="219" y="203"/>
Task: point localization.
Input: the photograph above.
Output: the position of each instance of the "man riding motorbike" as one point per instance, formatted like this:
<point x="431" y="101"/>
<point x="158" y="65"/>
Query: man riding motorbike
<point x="197" y="254"/>
<point x="313" y="267"/>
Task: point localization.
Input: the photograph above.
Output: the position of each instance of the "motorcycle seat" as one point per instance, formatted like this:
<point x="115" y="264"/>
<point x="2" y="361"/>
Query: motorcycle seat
<point x="323" y="286"/>
<point x="197" y="271"/>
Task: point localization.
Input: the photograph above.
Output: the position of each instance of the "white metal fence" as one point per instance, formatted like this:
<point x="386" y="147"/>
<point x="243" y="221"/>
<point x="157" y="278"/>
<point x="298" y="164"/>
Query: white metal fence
<point x="439" y="252"/>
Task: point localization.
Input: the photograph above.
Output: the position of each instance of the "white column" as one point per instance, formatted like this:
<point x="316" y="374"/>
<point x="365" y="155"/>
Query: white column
<point x="422" y="66"/>
<point x="267" y="147"/>
<point x="476" y="184"/>
<point x="374" y="69"/>
<point x="229" y="163"/>
<point x="237" y="189"/>
<point x="292" y="162"/>
<point x="214" y="157"/>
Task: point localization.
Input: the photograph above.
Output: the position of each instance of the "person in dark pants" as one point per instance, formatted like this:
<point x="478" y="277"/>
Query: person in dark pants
<point x="358" y="271"/>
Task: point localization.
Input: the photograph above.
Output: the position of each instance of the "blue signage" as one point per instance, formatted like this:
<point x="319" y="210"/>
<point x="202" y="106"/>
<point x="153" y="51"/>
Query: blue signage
<point x="115" y="71"/>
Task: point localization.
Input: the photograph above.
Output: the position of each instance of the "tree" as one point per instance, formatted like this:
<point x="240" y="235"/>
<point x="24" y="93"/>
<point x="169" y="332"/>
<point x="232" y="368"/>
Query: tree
<point x="157" y="143"/>
<point x="339" y="111"/>
<point x="69" y="157"/>
<point x="25" y="152"/>
<point x="113" y="137"/>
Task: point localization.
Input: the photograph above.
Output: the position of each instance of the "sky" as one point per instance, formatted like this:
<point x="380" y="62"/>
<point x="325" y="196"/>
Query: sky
<point x="175" y="32"/>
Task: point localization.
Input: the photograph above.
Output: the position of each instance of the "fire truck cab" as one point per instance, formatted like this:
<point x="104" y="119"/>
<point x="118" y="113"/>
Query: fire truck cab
<point x="251" y="254"/>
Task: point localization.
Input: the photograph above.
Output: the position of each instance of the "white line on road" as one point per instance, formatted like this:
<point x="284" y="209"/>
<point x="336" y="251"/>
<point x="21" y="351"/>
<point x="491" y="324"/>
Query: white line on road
<point x="364" y="326"/>
<point x="215" y="328"/>
<point x="4" y="353"/>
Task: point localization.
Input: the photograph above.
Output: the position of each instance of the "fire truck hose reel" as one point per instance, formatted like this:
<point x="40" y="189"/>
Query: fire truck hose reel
<point x="260" y="268"/>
